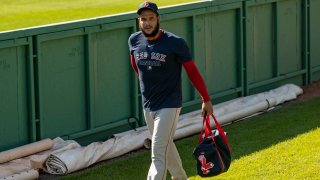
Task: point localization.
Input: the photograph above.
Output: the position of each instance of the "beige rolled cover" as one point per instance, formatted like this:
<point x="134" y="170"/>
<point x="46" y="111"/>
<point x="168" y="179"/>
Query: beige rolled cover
<point x="25" y="150"/>
<point x="24" y="175"/>
<point x="71" y="160"/>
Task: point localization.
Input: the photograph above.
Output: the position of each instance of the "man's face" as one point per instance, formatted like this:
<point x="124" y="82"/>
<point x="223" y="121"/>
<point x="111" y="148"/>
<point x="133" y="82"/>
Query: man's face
<point x="149" y="23"/>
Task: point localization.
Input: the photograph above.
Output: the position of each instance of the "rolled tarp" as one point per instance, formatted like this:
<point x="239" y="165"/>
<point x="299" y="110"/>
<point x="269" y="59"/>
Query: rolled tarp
<point x="72" y="160"/>
<point x="22" y="167"/>
<point x="25" y="150"/>
<point x="69" y="161"/>
<point x="11" y="168"/>
<point x="24" y="175"/>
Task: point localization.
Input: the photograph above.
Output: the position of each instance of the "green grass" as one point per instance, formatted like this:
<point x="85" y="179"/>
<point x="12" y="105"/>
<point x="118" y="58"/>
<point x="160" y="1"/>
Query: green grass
<point x="296" y="158"/>
<point x="16" y="14"/>
<point x="282" y="144"/>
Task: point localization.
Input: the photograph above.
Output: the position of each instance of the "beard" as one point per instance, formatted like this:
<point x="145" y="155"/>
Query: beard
<point x="153" y="33"/>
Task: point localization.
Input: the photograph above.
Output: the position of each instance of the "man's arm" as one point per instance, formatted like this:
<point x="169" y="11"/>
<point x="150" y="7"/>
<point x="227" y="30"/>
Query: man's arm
<point x="198" y="83"/>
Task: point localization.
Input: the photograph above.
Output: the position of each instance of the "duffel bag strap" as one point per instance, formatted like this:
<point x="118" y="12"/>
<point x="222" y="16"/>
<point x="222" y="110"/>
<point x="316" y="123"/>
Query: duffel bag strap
<point x="221" y="132"/>
<point x="206" y="129"/>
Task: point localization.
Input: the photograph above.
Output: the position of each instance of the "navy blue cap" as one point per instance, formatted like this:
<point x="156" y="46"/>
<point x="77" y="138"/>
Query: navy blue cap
<point x="148" y="5"/>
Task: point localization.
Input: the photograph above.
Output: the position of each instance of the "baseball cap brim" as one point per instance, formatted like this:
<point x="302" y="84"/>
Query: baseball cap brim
<point x="146" y="8"/>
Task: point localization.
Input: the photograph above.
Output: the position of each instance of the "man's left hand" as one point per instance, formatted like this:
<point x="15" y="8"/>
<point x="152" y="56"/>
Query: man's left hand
<point x="207" y="108"/>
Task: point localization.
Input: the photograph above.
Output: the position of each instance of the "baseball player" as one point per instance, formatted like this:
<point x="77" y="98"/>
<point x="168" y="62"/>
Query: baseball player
<point x="157" y="57"/>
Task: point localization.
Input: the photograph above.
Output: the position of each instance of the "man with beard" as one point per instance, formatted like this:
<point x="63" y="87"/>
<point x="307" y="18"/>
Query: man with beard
<point x="157" y="57"/>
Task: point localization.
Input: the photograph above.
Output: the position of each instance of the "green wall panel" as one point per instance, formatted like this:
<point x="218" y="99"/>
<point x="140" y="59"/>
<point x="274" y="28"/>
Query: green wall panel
<point x="13" y="97"/>
<point x="223" y="58"/>
<point x="260" y="42"/>
<point x="201" y="33"/>
<point x="113" y="100"/>
<point x="289" y="36"/>
<point x="112" y="77"/>
<point x="316" y="75"/>
<point x="62" y="86"/>
<point x="314" y="33"/>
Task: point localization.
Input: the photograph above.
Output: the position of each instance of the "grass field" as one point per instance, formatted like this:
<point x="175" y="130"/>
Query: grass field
<point x="16" y="14"/>
<point x="282" y="144"/>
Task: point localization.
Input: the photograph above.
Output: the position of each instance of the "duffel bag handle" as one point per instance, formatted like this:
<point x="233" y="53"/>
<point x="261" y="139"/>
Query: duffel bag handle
<point x="206" y="130"/>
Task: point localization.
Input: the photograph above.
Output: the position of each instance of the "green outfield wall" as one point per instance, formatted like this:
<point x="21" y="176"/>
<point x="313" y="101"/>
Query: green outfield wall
<point x="74" y="80"/>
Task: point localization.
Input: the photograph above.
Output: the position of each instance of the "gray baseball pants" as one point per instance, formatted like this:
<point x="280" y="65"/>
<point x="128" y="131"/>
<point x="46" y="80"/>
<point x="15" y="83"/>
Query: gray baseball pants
<point x="164" y="154"/>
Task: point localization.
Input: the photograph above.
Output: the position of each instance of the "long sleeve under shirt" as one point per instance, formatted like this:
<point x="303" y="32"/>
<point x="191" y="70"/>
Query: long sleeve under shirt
<point x="158" y="65"/>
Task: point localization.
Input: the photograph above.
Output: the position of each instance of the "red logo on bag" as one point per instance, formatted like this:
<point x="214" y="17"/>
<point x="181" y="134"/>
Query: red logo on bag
<point x="204" y="165"/>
